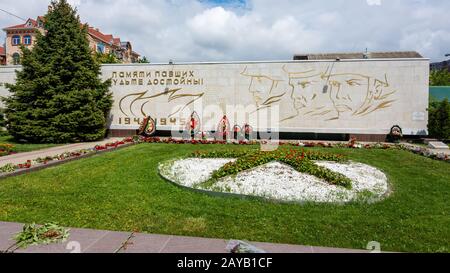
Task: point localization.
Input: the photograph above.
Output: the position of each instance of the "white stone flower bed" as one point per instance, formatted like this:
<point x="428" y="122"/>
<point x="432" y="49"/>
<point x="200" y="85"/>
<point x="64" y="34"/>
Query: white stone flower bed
<point x="281" y="182"/>
<point x="192" y="171"/>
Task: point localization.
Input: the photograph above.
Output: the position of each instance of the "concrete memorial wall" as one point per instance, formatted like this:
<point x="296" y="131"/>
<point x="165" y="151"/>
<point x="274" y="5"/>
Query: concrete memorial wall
<point x="335" y="97"/>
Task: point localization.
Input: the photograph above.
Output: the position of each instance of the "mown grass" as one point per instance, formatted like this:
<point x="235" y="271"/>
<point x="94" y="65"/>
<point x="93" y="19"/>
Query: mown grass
<point x="23" y="147"/>
<point x="122" y="191"/>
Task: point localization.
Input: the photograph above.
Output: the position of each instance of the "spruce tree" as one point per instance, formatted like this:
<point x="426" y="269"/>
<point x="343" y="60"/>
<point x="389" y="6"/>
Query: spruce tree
<point x="58" y="96"/>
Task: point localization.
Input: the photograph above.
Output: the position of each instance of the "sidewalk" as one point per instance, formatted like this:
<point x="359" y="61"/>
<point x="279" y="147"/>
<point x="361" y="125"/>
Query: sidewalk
<point x="98" y="241"/>
<point x="23" y="157"/>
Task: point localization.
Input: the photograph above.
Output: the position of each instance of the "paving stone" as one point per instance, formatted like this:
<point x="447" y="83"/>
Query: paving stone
<point x="110" y="243"/>
<point x="99" y="241"/>
<point x="283" y="248"/>
<point x="179" y="244"/>
<point x="7" y="232"/>
<point x="146" y="243"/>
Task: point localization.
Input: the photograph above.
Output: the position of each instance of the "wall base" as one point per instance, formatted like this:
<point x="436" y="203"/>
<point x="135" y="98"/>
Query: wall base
<point x="122" y="133"/>
<point x="284" y="136"/>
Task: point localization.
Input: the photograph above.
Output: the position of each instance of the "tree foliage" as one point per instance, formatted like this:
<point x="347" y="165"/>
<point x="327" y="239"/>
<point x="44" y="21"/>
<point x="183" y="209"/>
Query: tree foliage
<point x="440" y="78"/>
<point x="439" y="119"/>
<point x="143" y="60"/>
<point x="58" y="96"/>
<point x="104" y="58"/>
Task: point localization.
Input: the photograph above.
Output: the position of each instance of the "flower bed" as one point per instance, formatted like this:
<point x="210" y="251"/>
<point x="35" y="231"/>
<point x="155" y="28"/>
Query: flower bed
<point x="426" y="152"/>
<point x="352" y="144"/>
<point x="6" y="149"/>
<point x="277" y="180"/>
<point x="300" y="160"/>
<point x="31" y="163"/>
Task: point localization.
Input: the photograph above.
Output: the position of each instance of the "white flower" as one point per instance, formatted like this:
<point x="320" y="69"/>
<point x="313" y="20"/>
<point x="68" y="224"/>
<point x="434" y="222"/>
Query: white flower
<point x="281" y="182"/>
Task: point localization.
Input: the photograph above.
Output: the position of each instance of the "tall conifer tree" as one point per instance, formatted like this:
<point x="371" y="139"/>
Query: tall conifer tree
<point x="58" y="96"/>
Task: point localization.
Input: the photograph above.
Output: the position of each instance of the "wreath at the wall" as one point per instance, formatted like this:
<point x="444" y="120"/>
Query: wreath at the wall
<point x="148" y="127"/>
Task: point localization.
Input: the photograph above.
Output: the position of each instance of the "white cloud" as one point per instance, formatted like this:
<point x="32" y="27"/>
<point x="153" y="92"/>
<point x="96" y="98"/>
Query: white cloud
<point x="190" y="30"/>
<point x="374" y="2"/>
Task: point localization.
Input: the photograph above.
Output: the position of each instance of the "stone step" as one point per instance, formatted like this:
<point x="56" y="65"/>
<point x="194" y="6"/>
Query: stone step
<point x="437" y="145"/>
<point x="428" y="140"/>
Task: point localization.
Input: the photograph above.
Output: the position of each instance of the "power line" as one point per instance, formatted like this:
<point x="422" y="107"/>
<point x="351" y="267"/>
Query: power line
<point x="12" y="14"/>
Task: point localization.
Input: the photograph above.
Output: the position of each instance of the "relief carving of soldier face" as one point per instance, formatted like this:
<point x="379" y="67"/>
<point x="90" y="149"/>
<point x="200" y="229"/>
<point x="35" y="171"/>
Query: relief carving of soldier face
<point x="359" y="95"/>
<point x="265" y="90"/>
<point x="321" y="94"/>
<point x="333" y="96"/>
<point x="348" y="92"/>
<point x="306" y="88"/>
<point x="261" y="88"/>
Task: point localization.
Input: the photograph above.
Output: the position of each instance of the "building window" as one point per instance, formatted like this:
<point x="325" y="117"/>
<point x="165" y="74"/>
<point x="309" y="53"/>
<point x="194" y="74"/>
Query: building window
<point x="16" y="58"/>
<point x="27" y="40"/>
<point x="16" y="40"/>
<point x="101" y="48"/>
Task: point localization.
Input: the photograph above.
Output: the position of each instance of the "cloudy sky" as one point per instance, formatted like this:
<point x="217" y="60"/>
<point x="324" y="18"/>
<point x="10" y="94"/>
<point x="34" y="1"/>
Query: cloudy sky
<point x="212" y="30"/>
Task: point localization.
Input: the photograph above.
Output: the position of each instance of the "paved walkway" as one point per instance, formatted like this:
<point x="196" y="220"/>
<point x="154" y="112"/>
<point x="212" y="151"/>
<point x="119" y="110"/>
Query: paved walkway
<point x="98" y="241"/>
<point x="23" y="157"/>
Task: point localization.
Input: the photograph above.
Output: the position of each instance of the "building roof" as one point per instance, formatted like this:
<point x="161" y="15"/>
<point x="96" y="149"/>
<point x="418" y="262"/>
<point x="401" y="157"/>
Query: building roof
<point x="116" y="42"/>
<point x="359" y="55"/>
<point x="2" y="51"/>
<point x="25" y="25"/>
<point x="96" y="33"/>
<point x="93" y="32"/>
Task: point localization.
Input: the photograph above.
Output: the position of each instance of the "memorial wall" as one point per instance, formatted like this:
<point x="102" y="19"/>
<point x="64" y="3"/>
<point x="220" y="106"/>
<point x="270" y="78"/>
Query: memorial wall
<point x="344" y="97"/>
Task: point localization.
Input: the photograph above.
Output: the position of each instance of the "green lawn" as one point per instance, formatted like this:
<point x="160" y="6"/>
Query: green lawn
<point x="122" y="191"/>
<point x="21" y="147"/>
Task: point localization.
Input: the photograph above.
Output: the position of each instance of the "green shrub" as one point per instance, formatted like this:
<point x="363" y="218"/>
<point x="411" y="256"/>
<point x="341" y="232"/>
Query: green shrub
<point x="439" y="119"/>
<point x="440" y="78"/>
<point x="2" y="123"/>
